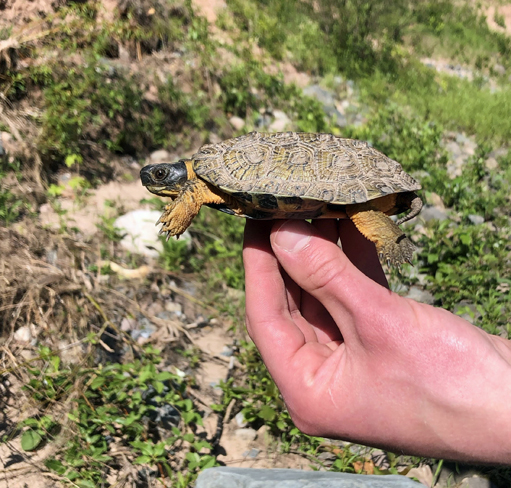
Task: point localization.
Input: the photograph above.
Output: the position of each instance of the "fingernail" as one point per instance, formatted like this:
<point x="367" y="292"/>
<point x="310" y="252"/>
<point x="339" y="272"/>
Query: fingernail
<point x="293" y="236"/>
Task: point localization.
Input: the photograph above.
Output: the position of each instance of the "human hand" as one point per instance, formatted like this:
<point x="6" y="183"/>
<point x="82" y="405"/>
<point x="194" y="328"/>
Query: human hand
<point x="355" y="361"/>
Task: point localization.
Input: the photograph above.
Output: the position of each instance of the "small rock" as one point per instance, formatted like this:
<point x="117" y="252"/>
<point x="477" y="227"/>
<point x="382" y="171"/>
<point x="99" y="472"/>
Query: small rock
<point x="237" y="122"/>
<point x="281" y="121"/>
<point x="7" y="143"/>
<point x="23" y="334"/>
<point x="433" y="213"/>
<point x="174" y="307"/>
<point x="491" y="164"/>
<point x="145" y="330"/>
<point x="240" y="419"/>
<point x="127" y="324"/>
<point x="160" y="156"/>
<point x="322" y="95"/>
<point x="327" y="456"/>
<point x="476" y="219"/>
<point x="435" y="200"/>
<point x="498" y="153"/>
<point x="264" y="436"/>
<point x="420" y="295"/>
<point x="227" y="351"/>
<point x="141" y="234"/>
<point x="247" y="434"/>
<point x="154" y="308"/>
<point x="423" y="474"/>
<point x="453" y="148"/>
<point x="499" y="69"/>
<point x="475" y="482"/>
<point x="252" y="454"/>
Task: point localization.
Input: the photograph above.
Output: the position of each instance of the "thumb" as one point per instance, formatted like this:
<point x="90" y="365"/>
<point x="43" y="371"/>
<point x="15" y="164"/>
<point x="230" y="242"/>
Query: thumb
<point x="321" y="268"/>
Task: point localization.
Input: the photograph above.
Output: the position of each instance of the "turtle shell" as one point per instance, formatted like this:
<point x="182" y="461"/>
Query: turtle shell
<point x="319" y="167"/>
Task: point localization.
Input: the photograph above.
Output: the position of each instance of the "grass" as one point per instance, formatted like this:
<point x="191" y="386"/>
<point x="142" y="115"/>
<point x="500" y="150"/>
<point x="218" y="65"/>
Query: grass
<point x="137" y="406"/>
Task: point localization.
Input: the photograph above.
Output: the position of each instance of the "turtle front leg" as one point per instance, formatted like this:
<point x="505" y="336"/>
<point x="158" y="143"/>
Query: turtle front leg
<point x="178" y="214"/>
<point x="391" y="242"/>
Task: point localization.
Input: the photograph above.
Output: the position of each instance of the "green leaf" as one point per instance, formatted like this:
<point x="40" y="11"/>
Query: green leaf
<point x="267" y="413"/>
<point x="164" y="375"/>
<point x="86" y="484"/>
<point x="30" y="440"/>
<point x="143" y="460"/>
<point x="55" y="465"/>
<point x="98" y="382"/>
<point x="189" y="437"/>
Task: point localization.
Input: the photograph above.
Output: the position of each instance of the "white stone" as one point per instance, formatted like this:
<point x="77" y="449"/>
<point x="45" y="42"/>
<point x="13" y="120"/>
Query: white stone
<point x="174" y="307"/>
<point x="23" y="334"/>
<point x="491" y="164"/>
<point x="141" y="233"/>
<point x="499" y="69"/>
<point x="240" y="419"/>
<point x="246" y="434"/>
<point x="237" y="122"/>
<point x="281" y="121"/>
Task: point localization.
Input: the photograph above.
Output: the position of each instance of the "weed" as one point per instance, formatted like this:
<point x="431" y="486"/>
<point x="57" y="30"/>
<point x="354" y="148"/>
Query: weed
<point x="131" y="404"/>
<point x="11" y="206"/>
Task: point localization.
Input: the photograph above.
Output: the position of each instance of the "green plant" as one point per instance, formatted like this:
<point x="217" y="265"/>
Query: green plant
<point x="117" y="403"/>
<point x="11" y="206"/>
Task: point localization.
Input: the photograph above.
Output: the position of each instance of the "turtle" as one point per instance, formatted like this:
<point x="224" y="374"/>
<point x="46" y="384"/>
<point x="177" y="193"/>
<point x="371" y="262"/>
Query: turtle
<point x="292" y="175"/>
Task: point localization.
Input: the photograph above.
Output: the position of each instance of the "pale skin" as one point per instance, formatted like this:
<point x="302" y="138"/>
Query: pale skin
<point x="357" y="362"/>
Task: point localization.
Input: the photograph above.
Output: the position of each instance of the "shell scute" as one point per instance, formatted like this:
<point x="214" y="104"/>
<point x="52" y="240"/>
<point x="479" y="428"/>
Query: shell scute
<point x="301" y="165"/>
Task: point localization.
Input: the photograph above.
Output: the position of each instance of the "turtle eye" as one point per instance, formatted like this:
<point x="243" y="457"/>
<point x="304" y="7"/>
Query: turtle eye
<point x="160" y="173"/>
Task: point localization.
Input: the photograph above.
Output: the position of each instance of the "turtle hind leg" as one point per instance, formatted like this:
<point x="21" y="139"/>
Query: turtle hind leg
<point x="391" y="242"/>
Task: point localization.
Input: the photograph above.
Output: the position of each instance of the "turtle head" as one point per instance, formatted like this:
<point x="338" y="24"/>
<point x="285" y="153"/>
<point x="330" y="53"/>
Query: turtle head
<point x="165" y="179"/>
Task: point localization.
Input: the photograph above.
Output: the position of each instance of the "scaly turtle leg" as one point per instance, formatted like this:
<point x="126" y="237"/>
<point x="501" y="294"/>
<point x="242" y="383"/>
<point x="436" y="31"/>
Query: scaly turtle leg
<point x="391" y="242"/>
<point x="179" y="213"/>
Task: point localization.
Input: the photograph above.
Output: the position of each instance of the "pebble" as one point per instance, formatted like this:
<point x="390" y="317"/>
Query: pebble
<point x="240" y="419"/>
<point x="327" y="100"/>
<point x="23" y="334"/>
<point x="476" y="219"/>
<point x="247" y="434"/>
<point x="127" y="324"/>
<point x="237" y="122"/>
<point x="227" y="351"/>
<point x="141" y="234"/>
<point x="228" y="477"/>
<point x="435" y="200"/>
<point x="281" y="121"/>
<point x="433" y="213"/>
<point x="499" y="69"/>
<point x="174" y="307"/>
<point x="252" y="454"/>
<point x="491" y="164"/>
<point x="475" y="482"/>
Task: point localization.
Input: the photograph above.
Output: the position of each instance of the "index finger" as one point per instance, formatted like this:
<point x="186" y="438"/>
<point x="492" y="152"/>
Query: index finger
<point x="269" y="321"/>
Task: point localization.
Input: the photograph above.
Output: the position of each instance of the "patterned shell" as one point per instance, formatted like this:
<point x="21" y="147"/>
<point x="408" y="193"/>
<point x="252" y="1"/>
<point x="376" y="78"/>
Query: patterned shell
<point x="293" y="164"/>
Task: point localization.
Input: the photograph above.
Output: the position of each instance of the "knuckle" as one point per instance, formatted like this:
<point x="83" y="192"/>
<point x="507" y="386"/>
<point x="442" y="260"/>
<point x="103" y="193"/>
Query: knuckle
<point x="323" y="271"/>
